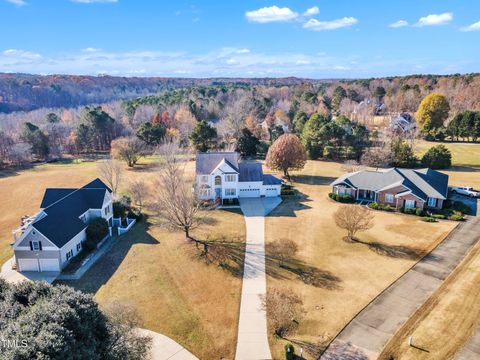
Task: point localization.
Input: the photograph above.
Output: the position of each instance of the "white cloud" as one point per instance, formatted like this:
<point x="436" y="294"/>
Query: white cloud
<point x="312" y="11"/>
<point x="94" y="1"/>
<point x="243" y="51"/>
<point x="271" y="14"/>
<point x="21" y="54"/>
<point x="316" y="25"/>
<point x="398" y="24"/>
<point x="303" y="62"/>
<point x="341" y="68"/>
<point x="91" y="50"/>
<point x="17" y="2"/>
<point x="435" y="19"/>
<point x="472" y="27"/>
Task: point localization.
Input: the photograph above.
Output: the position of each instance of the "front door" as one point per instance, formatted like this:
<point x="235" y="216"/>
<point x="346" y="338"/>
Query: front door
<point x="218" y="192"/>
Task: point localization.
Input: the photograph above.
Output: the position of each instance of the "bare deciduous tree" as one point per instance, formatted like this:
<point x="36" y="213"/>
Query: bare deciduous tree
<point x="111" y="171"/>
<point x="353" y="218"/>
<point x="128" y="149"/>
<point x="174" y="201"/>
<point x="350" y="166"/>
<point x="285" y="310"/>
<point x="138" y="190"/>
<point x="282" y="249"/>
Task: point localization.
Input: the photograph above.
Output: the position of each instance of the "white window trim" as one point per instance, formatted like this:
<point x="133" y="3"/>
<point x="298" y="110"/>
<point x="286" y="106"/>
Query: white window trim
<point x="432" y="202"/>
<point x="230" y="178"/>
<point x="36" y="245"/>
<point x="411" y="202"/>
<point x="230" y="192"/>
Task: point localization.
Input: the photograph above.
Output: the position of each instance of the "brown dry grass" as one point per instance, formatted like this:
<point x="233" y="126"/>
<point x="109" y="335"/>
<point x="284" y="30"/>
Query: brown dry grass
<point x="337" y="279"/>
<point x="445" y="322"/>
<point x="175" y="292"/>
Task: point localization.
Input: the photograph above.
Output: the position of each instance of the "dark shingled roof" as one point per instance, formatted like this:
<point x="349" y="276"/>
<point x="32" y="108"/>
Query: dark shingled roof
<point x="53" y="195"/>
<point x="250" y="171"/>
<point x="97" y="184"/>
<point x="207" y="162"/>
<point x="62" y="222"/>
<point x="269" y="179"/>
<point x="424" y="183"/>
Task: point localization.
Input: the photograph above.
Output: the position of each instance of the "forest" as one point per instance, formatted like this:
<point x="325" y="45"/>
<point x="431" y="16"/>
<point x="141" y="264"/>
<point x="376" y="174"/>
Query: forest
<point x="335" y="119"/>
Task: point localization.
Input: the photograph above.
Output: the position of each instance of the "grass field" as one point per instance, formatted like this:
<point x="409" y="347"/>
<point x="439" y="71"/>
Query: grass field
<point x="337" y="279"/>
<point x="465" y="161"/>
<point x="442" y="326"/>
<point x="175" y="292"/>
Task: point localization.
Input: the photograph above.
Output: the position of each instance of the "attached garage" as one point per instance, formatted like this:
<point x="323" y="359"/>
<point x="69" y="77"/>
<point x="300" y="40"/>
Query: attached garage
<point x="49" y="265"/>
<point x="272" y="191"/>
<point x="28" y="264"/>
<point x="249" y="192"/>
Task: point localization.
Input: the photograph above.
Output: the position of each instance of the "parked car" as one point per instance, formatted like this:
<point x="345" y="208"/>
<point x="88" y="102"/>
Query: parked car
<point x="465" y="190"/>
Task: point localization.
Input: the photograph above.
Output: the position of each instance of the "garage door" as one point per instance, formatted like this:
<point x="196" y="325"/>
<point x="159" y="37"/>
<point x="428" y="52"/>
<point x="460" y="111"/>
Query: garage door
<point x="249" y="193"/>
<point x="28" y="264"/>
<point x="269" y="192"/>
<point x="49" y="265"/>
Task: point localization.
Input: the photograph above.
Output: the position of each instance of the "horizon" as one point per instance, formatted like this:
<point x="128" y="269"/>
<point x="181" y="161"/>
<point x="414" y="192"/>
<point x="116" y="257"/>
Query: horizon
<point x="251" y="39"/>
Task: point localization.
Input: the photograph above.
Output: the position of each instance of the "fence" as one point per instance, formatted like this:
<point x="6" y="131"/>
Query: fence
<point x="123" y="230"/>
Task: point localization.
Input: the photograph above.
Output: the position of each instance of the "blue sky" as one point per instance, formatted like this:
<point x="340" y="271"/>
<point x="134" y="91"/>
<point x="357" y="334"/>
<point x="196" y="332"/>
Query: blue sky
<point x="316" y="39"/>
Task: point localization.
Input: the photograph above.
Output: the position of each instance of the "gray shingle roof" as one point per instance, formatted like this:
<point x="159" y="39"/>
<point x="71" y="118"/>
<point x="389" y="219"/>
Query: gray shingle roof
<point x="207" y="162"/>
<point x="62" y="222"/>
<point x="424" y="183"/>
<point x="250" y="171"/>
<point x="269" y="179"/>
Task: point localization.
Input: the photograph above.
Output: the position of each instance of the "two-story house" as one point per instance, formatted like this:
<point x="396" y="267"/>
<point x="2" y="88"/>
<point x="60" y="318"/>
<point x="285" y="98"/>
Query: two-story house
<point x="221" y="175"/>
<point x="51" y="238"/>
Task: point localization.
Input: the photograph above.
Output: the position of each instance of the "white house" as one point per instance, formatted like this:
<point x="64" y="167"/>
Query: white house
<point x="221" y="175"/>
<point x="51" y="238"/>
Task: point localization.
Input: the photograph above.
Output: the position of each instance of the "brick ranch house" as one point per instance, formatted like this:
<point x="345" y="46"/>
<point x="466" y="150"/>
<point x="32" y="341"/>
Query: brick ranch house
<point x="408" y="188"/>
<point x="48" y="240"/>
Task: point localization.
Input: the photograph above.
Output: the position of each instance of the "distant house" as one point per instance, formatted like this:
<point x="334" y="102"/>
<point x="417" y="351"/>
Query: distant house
<point x="221" y="175"/>
<point x="409" y="188"/>
<point x="403" y="123"/>
<point x="51" y="238"/>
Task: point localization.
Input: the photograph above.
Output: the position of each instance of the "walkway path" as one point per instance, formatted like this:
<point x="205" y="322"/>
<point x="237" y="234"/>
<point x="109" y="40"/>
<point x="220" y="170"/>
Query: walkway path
<point x="164" y="348"/>
<point x="252" y="342"/>
<point x="366" y="334"/>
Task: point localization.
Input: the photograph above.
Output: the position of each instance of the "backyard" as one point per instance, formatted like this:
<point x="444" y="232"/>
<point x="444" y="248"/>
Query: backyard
<point x="336" y="279"/>
<point x="175" y="292"/>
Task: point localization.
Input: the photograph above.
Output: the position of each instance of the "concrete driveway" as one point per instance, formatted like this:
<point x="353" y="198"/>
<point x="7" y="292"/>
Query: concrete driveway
<point x="164" y="348"/>
<point x="252" y="342"/>
<point x="14" y="276"/>
<point x="367" y="333"/>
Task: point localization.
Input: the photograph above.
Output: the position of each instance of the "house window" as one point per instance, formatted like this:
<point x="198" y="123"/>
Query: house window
<point x="204" y="178"/>
<point x="409" y="204"/>
<point x="79" y="247"/>
<point x="35" y="245"/>
<point x="389" y="198"/>
<point x="205" y="193"/>
<point x="432" y="202"/>
<point x="69" y="254"/>
<point x="230" y="178"/>
<point x="218" y="180"/>
<point x="230" y="192"/>
<point x="106" y="210"/>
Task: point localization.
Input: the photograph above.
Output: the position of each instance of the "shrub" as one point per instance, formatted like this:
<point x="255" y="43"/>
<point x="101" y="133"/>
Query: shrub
<point x="342" y="198"/>
<point x="429" y="219"/>
<point x="461" y="207"/>
<point x="419" y="212"/>
<point x="456" y="216"/>
<point x="289" y="352"/>
<point x="373" y="205"/>
<point x="118" y="209"/>
<point x="134" y="213"/>
<point x="438" y="216"/>
<point x="402" y="209"/>
<point x="97" y="229"/>
<point x="410" y="211"/>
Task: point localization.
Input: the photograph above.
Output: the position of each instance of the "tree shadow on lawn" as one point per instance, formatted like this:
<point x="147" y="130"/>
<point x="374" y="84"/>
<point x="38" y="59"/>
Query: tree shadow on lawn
<point x="307" y="274"/>
<point x="314" y="349"/>
<point x="464" y="168"/>
<point x="394" y="251"/>
<point x="290" y="205"/>
<point x="313" y="179"/>
<point x="99" y="274"/>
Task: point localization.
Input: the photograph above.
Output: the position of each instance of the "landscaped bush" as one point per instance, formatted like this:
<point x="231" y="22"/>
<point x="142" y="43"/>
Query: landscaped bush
<point x="289" y="352"/>
<point x="134" y="213"/>
<point x="342" y="198"/>
<point x="456" y="216"/>
<point x="438" y="216"/>
<point x="97" y="229"/>
<point x="429" y="219"/>
<point x="461" y="207"/>
<point x="410" y="211"/>
<point x="118" y="209"/>
<point x="419" y="212"/>
<point x="376" y="206"/>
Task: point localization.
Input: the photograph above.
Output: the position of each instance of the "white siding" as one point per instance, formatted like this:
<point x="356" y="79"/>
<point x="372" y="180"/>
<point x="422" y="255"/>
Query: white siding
<point x="72" y="245"/>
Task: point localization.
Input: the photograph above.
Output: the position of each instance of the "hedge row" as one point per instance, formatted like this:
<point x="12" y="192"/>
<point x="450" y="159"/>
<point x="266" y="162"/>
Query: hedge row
<point x="342" y="198"/>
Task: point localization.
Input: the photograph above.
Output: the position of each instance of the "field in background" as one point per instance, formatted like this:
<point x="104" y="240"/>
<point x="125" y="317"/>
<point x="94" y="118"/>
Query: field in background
<point x="335" y="278"/>
<point x="175" y="292"/>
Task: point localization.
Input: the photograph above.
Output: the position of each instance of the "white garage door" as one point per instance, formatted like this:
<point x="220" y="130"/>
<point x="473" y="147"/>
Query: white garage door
<point x="49" y="265"/>
<point x="249" y="193"/>
<point x="28" y="264"/>
<point x="269" y="192"/>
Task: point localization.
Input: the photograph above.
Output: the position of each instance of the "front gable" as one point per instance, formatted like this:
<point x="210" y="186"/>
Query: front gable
<point x="32" y="234"/>
<point x="224" y="168"/>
